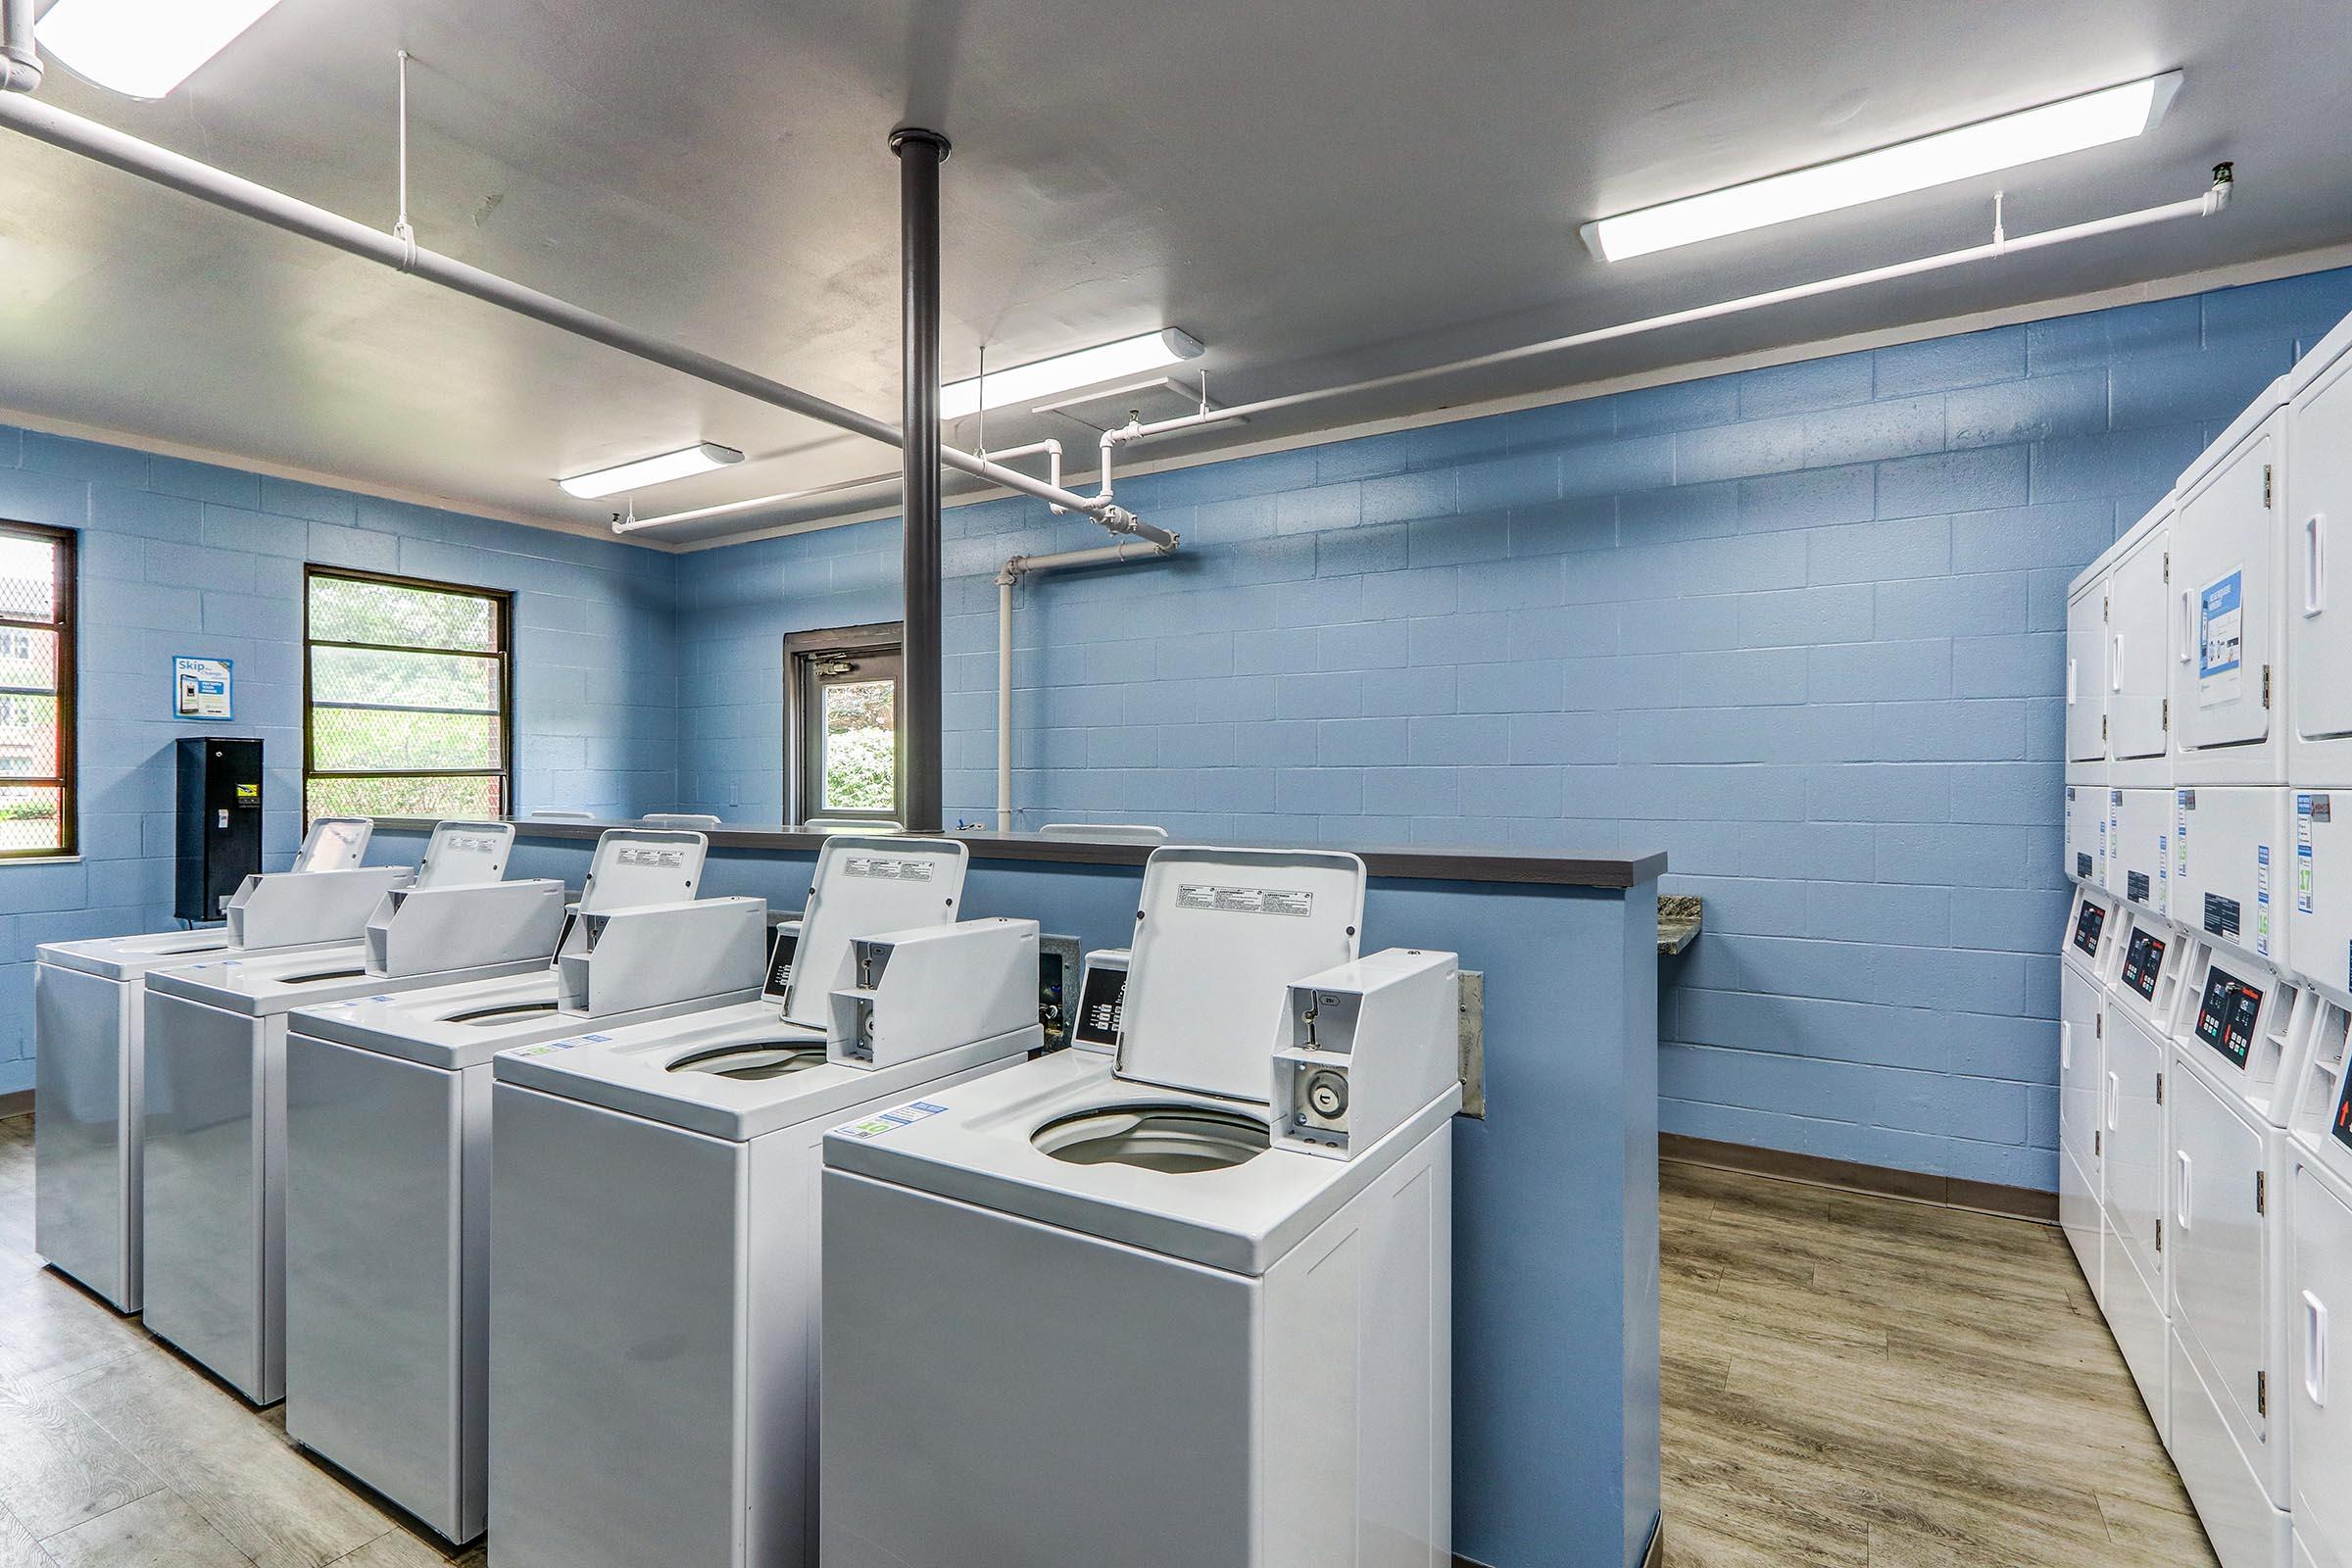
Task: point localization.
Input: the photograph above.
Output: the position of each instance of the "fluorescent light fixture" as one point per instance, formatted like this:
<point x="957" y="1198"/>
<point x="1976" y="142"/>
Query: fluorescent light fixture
<point x="646" y="473"/>
<point x="1105" y="362"/>
<point x="144" y="48"/>
<point x="2094" y="119"/>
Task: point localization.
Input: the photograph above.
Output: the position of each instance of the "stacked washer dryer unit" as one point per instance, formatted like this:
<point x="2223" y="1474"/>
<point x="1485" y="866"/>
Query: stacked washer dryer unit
<point x="388" y="1153"/>
<point x="2141" y="966"/>
<point x="2091" y="925"/>
<point x="2316" y="1236"/>
<point x="2230" y="1080"/>
<point x="1190" y="1303"/>
<point x="216" y="1126"/>
<point x="89" y="1028"/>
<point x="652" y="1343"/>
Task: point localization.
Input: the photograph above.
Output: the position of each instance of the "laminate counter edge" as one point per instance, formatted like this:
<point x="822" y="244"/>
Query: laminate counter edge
<point x="1615" y="873"/>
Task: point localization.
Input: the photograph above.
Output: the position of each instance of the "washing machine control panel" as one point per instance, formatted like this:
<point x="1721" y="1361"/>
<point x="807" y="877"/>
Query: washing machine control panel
<point x="2143" y="964"/>
<point x="2344" y="1114"/>
<point x="2088" y="923"/>
<point x="2227" y="1015"/>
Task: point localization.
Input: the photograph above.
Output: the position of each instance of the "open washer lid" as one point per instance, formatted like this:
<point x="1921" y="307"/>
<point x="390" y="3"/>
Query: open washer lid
<point x="642" y="865"/>
<point x="862" y="887"/>
<point x="1220" y="936"/>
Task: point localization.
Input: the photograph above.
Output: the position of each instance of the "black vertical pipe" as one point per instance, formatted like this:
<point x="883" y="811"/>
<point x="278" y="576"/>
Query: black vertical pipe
<point x="920" y="153"/>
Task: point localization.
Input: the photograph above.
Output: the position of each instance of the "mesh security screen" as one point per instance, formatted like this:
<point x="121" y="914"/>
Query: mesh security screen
<point x="36" y="691"/>
<point x="407" y="712"/>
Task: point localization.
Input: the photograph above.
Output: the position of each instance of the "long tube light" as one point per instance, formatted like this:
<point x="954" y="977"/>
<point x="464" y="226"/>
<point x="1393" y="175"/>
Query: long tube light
<point x="1105" y="362"/>
<point x="144" y="48"/>
<point x="646" y="473"/>
<point x="2072" y="124"/>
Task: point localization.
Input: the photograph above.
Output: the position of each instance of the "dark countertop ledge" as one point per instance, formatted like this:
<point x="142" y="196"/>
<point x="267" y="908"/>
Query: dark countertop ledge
<point x="1422" y="864"/>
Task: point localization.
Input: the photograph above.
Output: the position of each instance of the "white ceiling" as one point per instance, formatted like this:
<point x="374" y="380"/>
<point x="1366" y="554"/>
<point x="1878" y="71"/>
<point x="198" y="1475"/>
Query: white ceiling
<point x="1318" y="189"/>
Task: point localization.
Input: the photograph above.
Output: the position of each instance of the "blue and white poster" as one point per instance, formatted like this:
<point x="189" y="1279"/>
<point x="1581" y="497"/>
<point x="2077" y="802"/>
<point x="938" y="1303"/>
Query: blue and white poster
<point x="2220" y="639"/>
<point x="202" y="688"/>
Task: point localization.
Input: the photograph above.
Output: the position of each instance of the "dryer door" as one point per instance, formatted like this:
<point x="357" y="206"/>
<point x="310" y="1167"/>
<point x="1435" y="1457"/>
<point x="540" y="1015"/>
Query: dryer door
<point x="2134" y="1162"/>
<point x="2138" y="644"/>
<point x="2319" y="545"/>
<point x="2222" y="591"/>
<point x="2214" y="1240"/>
<point x="2087" y="674"/>
<point x="2078" y="1068"/>
<point x="2319" y="1380"/>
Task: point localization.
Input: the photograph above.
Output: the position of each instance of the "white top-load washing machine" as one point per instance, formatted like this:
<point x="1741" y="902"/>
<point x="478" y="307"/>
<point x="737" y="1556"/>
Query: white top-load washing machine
<point x="216" y="1124"/>
<point x="1191" y="1304"/>
<point x="89" y="1017"/>
<point x="653" y="1342"/>
<point x="388" y="1153"/>
<point x="2318" y="1248"/>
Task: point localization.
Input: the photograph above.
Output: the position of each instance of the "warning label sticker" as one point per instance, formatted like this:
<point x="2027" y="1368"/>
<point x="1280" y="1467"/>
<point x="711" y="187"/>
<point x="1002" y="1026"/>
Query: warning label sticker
<point x="887" y="868"/>
<point x="882" y="1122"/>
<point x="668" y="859"/>
<point x="2220" y="639"/>
<point x="1243" y="901"/>
<point x="2308" y="809"/>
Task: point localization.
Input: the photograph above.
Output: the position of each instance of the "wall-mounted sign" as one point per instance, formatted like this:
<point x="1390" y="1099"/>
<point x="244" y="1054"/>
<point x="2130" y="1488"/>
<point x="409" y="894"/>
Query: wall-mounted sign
<point x="203" y="688"/>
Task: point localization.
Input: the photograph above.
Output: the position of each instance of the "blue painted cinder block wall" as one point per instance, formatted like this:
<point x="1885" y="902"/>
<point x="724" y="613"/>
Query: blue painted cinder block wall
<point x="1801" y="628"/>
<point x="181" y="558"/>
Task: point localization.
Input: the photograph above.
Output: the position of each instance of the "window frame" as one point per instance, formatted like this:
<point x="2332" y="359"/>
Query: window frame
<point x="65" y="626"/>
<point x="803" y="713"/>
<point x="502" y="604"/>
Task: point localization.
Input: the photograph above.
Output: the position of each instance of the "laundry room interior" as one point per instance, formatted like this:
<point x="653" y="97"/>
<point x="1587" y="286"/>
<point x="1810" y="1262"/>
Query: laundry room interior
<point x="1716" y="664"/>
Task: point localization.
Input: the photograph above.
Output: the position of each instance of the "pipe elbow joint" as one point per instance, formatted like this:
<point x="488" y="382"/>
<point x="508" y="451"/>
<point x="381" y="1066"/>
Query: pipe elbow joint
<point x="20" y="73"/>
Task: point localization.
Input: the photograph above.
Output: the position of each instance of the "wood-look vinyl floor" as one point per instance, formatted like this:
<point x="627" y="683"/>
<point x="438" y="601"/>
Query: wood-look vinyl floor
<point x="1848" y="1380"/>
<point x="1856" y="1382"/>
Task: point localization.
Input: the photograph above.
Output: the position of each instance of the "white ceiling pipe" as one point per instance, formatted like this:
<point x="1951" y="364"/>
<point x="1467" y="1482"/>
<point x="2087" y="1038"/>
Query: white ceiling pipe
<point x="622" y="525"/>
<point x="19" y="55"/>
<point x="2214" y="198"/>
<point x="1013" y="571"/>
<point x="159" y="165"/>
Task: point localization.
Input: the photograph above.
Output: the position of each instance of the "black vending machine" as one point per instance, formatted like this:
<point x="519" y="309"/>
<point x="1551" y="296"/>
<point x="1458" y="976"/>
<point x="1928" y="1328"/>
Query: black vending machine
<point x="220" y="823"/>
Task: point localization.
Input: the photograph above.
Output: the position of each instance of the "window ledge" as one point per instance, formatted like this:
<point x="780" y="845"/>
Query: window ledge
<point x="39" y="859"/>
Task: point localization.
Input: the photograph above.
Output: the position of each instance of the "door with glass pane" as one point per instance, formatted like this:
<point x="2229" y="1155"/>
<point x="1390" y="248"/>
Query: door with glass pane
<point x="846" y="728"/>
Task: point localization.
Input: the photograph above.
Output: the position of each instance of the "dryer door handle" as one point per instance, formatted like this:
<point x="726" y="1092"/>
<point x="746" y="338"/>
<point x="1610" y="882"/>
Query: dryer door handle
<point x="2315" y="1348"/>
<point x="2114" y="1101"/>
<point x="2181" y="1203"/>
<point x="2186" y="628"/>
<point x="2066" y="1044"/>
<point x="2315" y="565"/>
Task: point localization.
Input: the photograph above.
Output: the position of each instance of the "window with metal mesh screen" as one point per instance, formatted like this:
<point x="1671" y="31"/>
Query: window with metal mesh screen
<point x="36" y="691"/>
<point x="406" y="710"/>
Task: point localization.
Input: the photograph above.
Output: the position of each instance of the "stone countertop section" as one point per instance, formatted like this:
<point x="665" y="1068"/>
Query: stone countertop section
<point x="1557" y="869"/>
<point x="1680" y="915"/>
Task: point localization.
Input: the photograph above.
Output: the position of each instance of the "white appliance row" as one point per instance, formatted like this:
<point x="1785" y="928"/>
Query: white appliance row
<point x="2206" y="1142"/>
<point x="602" y="1345"/>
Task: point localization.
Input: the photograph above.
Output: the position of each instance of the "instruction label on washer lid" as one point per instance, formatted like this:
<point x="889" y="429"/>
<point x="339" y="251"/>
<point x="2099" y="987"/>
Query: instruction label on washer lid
<point x="545" y="1047"/>
<point x="1243" y="901"/>
<point x="2220" y="639"/>
<point x="887" y="868"/>
<point x="891" y="1120"/>
<point x="669" y="859"/>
